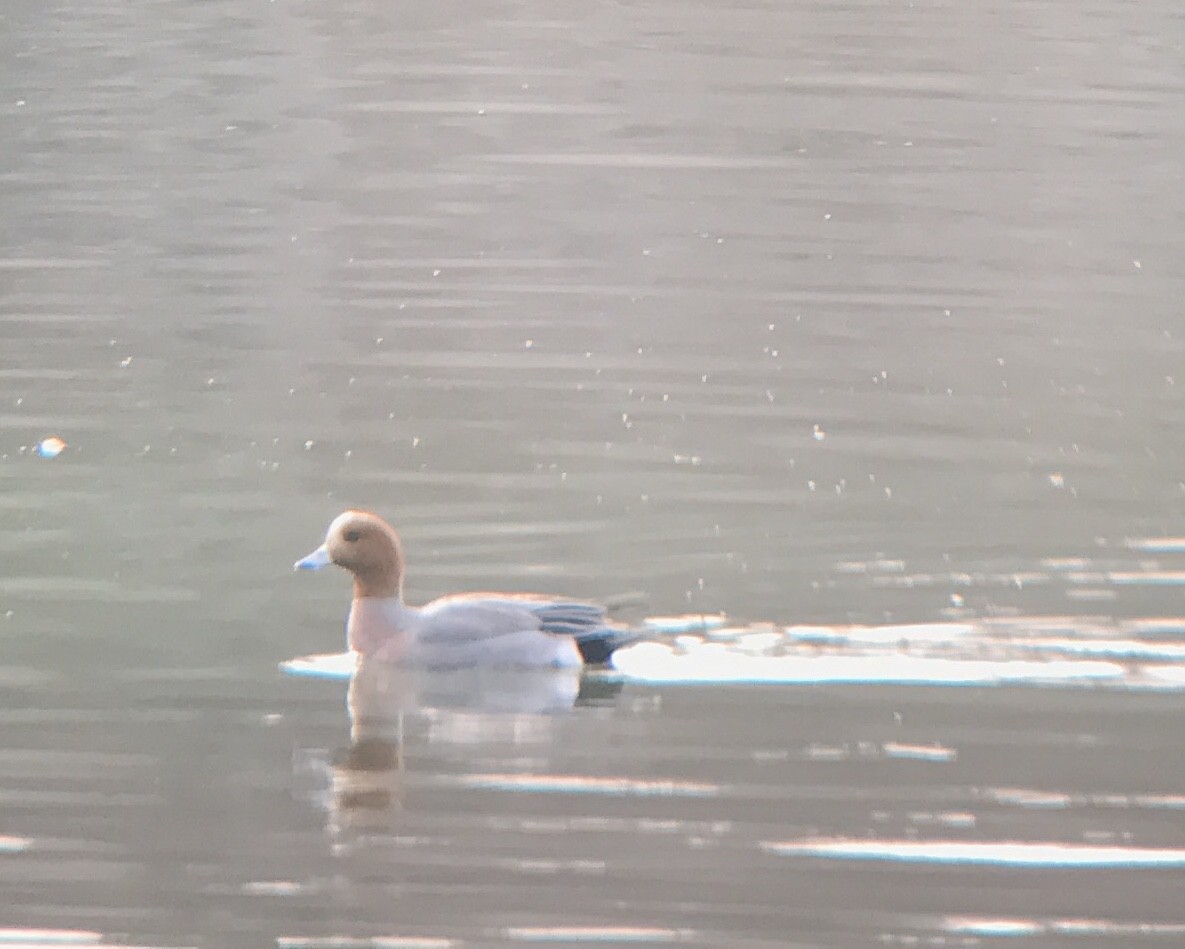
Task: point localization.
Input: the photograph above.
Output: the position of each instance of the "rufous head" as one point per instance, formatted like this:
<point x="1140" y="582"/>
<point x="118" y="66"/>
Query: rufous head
<point x="368" y="547"/>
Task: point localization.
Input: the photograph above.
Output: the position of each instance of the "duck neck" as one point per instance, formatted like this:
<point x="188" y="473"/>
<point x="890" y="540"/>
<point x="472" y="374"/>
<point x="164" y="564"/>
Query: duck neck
<point x="378" y="585"/>
<point x="381" y="575"/>
<point x="378" y="624"/>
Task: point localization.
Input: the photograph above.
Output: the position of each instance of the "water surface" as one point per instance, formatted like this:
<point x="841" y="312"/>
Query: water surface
<point x="830" y="316"/>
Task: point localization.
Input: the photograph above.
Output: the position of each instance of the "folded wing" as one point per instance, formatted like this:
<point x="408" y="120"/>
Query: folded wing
<point x="475" y="617"/>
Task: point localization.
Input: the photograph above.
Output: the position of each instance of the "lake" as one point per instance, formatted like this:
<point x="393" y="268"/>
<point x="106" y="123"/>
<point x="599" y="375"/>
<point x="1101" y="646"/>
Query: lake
<point x="846" y="337"/>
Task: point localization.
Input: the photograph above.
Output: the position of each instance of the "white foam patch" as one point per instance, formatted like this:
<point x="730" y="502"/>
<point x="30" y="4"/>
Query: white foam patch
<point x="49" y="937"/>
<point x="273" y="888"/>
<point x="1115" y="648"/>
<point x="1050" y="650"/>
<point x="686" y="623"/>
<point x="364" y="942"/>
<point x="20" y="938"/>
<point x="1007" y="854"/>
<point x="330" y="665"/>
<point x="1166" y="676"/>
<point x="577" y="784"/>
<point x="1157" y="545"/>
<point x="1156" y="626"/>
<point x="1155" y="578"/>
<point x="882" y="635"/>
<point x="971" y="926"/>
<point x="936" y="753"/>
<point x="602" y="934"/>
<point x="1106" y="927"/>
<point x="717" y="663"/>
<point x="988" y="926"/>
<point x="1030" y="798"/>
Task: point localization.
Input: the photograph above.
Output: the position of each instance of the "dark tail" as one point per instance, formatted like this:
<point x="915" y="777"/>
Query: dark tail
<point x="597" y="645"/>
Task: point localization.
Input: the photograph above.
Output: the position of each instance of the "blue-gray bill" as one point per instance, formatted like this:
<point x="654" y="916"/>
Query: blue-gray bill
<point x="315" y="561"/>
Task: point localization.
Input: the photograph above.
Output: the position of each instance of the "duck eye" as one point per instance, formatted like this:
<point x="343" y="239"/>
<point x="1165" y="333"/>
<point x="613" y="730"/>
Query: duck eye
<point x="351" y="536"/>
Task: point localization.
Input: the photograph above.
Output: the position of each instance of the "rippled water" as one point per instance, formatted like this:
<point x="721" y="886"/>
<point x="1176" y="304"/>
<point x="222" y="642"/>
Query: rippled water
<point x="859" y="322"/>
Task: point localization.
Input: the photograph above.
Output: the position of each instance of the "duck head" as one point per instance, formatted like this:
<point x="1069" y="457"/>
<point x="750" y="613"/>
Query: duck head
<point x="368" y="547"/>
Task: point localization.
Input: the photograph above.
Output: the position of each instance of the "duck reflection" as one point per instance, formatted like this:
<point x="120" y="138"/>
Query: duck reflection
<point x="390" y="706"/>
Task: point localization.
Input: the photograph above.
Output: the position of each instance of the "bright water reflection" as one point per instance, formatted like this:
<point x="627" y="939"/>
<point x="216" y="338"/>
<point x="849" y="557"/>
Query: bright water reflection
<point x="925" y="784"/>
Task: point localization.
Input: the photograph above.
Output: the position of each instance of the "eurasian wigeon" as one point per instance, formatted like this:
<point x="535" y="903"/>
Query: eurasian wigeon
<point x="467" y="629"/>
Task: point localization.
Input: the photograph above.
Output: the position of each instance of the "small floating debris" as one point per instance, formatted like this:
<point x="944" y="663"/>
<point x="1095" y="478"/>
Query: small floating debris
<point x="50" y="447"/>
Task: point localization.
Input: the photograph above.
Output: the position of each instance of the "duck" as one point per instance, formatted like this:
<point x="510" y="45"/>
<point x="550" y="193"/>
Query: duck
<point x="521" y="630"/>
